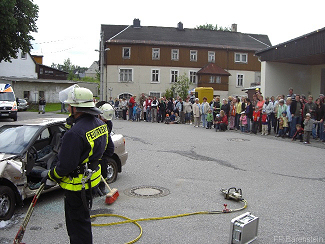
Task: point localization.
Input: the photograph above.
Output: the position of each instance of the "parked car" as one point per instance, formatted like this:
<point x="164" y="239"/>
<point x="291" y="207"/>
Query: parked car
<point x="22" y="104"/>
<point x="28" y="150"/>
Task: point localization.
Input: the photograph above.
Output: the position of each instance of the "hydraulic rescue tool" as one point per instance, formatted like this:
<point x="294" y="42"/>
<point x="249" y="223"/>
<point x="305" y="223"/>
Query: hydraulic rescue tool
<point x="21" y="231"/>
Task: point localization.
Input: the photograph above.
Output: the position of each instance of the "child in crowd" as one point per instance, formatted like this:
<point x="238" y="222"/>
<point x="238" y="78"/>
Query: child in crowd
<point x="134" y="112"/>
<point x="172" y="117"/>
<point x="256" y="118"/>
<point x="264" y="123"/>
<point x="243" y="122"/>
<point x="299" y="133"/>
<point x="283" y="124"/>
<point x="167" y="119"/>
<point x="139" y="110"/>
<point x="232" y="116"/>
<point x="308" y="123"/>
<point x="209" y="119"/>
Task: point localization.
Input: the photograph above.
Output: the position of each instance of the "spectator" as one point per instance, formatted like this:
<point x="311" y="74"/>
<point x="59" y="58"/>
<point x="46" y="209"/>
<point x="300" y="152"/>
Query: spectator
<point x="295" y="109"/>
<point x="232" y="114"/>
<point x="238" y="113"/>
<point x="123" y="106"/>
<point x="243" y="122"/>
<point x="269" y="109"/>
<point x="221" y="122"/>
<point x="256" y="119"/>
<point x="249" y="114"/>
<point x="204" y="108"/>
<point x="225" y="107"/>
<point x="196" y="113"/>
<point x="180" y="109"/>
<point x="216" y="106"/>
<point x="264" y="123"/>
<point x="154" y="111"/>
<point x="187" y="105"/>
<point x="209" y="119"/>
<point x="148" y="109"/>
<point x="310" y="108"/>
<point x="161" y="110"/>
<point x="291" y="95"/>
<point x="299" y="132"/>
<point x="283" y="124"/>
<point x="309" y="124"/>
<point x="281" y="108"/>
<point x="41" y="105"/>
<point x="131" y="105"/>
<point x="289" y="116"/>
<point x="319" y="113"/>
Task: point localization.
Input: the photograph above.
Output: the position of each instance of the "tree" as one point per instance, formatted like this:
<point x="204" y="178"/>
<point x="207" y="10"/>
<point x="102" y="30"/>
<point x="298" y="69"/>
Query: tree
<point x="211" y="27"/>
<point x="17" y="20"/>
<point x="181" y="87"/>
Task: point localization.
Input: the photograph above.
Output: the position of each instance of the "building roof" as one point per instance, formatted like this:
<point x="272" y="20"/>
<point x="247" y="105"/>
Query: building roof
<point x="213" y="69"/>
<point x="16" y="79"/>
<point x="154" y="35"/>
<point x="307" y="49"/>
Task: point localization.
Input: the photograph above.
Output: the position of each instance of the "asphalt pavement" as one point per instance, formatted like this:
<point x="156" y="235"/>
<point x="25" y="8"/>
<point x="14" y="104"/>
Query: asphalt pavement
<point x="282" y="181"/>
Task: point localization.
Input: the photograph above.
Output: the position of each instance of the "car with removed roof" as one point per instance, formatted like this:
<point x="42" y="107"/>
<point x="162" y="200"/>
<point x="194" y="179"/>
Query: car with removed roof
<point x="28" y="149"/>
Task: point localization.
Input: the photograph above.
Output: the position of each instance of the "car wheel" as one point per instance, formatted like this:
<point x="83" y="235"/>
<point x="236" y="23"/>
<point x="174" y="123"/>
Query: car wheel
<point x="110" y="170"/>
<point x="7" y="202"/>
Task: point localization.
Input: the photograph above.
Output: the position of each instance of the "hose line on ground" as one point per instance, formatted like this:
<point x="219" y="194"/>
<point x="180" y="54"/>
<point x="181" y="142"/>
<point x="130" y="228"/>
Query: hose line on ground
<point x="135" y="221"/>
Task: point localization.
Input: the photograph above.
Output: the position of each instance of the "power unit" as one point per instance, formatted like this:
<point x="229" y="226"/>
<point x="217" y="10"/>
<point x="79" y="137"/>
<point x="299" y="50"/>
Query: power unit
<point x="243" y="229"/>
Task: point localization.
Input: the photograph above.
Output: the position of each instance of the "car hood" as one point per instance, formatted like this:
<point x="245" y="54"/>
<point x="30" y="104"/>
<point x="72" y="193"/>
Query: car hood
<point x="9" y="168"/>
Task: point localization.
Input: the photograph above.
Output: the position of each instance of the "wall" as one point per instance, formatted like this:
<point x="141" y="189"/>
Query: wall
<point x="249" y="77"/>
<point x="141" y="80"/>
<point x="316" y="79"/>
<point x="277" y="78"/>
<point x="21" y="68"/>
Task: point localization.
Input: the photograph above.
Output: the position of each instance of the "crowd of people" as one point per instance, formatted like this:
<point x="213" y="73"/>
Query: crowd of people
<point x="293" y="116"/>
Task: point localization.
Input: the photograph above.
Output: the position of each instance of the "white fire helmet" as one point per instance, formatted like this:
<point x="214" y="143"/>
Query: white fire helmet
<point x="107" y="111"/>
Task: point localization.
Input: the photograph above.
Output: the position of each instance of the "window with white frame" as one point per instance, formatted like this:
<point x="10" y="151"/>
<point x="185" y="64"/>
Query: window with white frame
<point x="155" y="75"/>
<point x="193" y="77"/>
<point x="126" y="53"/>
<point x="156" y="53"/>
<point x="193" y="55"/>
<point x="154" y="94"/>
<point x="215" y="79"/>
<point x="240" y="80"/>
<point x="240" y="57"/>
<point x="211" y="56"/>
<point x="126" y="75"/>
<point x="175" y="54"/>
<point x="174" y="76"/>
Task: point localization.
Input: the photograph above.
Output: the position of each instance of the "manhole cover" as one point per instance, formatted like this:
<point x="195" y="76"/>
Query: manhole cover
<point x="147" y="191"/>
<point x="237" y="139"/>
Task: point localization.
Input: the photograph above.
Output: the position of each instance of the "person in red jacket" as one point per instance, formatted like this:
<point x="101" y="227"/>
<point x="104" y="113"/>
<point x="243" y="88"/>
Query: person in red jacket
<point x="131" y="105"/>
<point x="221" y="121"/>
<point x="256" y="119"/>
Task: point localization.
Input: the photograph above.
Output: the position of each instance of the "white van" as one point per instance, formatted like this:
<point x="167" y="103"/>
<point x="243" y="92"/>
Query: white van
<point x="8" y="105"/>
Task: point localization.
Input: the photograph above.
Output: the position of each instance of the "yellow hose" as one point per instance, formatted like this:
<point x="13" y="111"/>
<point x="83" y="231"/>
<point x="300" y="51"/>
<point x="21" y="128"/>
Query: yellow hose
<point x="135" y="221"/>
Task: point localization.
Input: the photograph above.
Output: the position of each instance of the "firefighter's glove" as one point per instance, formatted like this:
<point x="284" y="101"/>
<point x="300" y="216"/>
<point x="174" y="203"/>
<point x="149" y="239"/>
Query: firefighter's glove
<point x="48" y="182"/>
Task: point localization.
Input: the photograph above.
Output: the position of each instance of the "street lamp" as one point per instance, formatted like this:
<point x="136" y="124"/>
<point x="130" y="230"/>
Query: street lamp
<point x="101" y="65"/>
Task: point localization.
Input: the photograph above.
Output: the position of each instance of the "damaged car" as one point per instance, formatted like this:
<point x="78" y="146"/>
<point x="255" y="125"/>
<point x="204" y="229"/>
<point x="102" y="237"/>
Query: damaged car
<point x="29" y="149"/>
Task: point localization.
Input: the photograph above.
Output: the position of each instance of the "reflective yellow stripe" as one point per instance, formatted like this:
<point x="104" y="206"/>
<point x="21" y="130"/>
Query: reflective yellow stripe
<point x="75" y="184"/>
<point x="92" y="135"/>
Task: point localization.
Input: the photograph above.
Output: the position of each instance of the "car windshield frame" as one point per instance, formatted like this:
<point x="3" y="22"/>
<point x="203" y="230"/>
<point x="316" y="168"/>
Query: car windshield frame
<point x="14" y="139"/>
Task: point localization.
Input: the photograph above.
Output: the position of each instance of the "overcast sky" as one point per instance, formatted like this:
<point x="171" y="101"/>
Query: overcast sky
<point x="71" y="28"/>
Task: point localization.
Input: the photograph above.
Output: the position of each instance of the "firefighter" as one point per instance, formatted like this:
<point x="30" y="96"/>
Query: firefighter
<point x="78" y="169"/>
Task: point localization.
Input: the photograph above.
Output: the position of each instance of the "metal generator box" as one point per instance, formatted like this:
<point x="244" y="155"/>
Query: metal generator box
<point x="243" y="229"/>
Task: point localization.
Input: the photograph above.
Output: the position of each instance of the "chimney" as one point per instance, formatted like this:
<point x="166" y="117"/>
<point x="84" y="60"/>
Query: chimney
<point x="234" y="27"/>
<point x="180" y="26"/>
<point x="136" y="23"/>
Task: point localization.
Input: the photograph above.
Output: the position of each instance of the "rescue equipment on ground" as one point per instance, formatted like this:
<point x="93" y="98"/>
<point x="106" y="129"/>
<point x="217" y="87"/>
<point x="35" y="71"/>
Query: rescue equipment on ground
<point x="233" y="194"/>
<point x="243" y="229"/>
